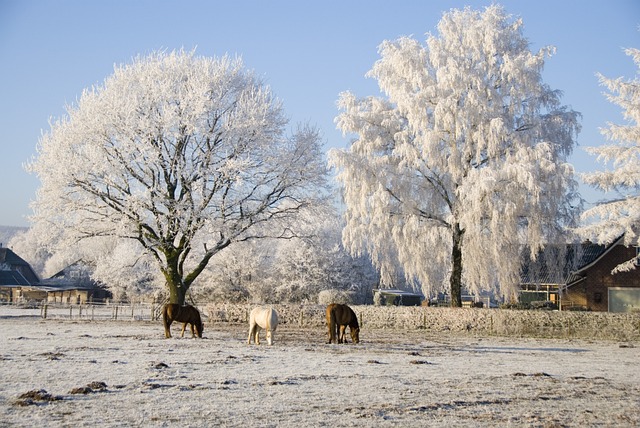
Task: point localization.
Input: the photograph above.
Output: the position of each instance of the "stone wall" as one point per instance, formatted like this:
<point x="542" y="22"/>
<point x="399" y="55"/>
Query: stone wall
<point x="501" y="322"/>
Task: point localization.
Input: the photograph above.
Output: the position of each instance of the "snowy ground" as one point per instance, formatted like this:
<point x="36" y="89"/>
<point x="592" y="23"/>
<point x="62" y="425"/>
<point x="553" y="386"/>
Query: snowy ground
<point x="125" y="373"/>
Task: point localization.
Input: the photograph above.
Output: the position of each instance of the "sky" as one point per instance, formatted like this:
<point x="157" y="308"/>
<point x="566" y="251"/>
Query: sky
<point x="306" y="51"/>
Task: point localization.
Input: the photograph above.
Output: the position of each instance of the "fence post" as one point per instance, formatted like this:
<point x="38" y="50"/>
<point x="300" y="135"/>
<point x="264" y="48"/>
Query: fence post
<point x="491" y="324"/>
<point x="132" y="308"/>
<point x="70" y="312"/>
<point x="43" y="311"/>
<point x="80" y="311"/>
<point x="93" y="307"/>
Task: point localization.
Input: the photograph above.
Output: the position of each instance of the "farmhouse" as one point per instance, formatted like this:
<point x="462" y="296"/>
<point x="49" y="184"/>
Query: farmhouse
<point x="579" y="277"/>
<point x="20" y="284"/>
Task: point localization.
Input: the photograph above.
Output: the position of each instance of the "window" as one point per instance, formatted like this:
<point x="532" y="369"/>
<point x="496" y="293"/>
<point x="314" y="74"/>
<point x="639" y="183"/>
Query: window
<point x="597" y="297"/>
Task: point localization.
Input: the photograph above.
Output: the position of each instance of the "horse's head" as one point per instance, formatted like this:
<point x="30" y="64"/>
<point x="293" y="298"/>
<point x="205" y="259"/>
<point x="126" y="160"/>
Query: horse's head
<point x="199" y="329"/>
<point x="355" y="334"/>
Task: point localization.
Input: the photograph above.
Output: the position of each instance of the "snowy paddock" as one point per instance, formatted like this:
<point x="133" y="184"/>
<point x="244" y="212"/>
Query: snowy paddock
<point x="58" y="372"/>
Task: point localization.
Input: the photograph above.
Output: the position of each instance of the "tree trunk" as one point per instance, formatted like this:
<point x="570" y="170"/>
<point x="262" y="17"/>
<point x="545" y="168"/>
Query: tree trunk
<point x="177" y="288"/>
<point x="177" y="292"/>
<point x="177" y="281"/>
<point x="456" y="267"/>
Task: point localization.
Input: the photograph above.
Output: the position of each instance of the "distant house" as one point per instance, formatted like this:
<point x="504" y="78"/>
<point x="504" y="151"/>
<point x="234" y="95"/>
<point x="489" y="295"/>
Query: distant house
<point x="17" y="279"/>
<point x="579" y="277"/>
<point x="593" y="287"/>
<point x="390" y="297"/>
<point x="73" y="284"/>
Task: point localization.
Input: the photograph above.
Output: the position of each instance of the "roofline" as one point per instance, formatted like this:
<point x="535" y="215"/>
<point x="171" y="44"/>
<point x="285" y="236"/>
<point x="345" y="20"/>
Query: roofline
<point x="597" y="259"/>
<point x="576" y="282"/>
<point x="396" y="291"/>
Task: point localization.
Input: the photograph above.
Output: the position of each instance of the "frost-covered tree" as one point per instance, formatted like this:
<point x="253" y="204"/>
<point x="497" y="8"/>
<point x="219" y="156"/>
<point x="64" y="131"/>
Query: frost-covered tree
<point x="184" y="154"/>
<point x="462" y="159"/>
<point x="620" y="214"/>
<point x="128" y="270"/>
<point x="289" y="270"/>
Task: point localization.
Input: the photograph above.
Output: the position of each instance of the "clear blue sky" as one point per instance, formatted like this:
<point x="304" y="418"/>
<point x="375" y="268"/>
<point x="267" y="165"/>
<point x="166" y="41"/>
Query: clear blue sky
<point x="308" y="52"/>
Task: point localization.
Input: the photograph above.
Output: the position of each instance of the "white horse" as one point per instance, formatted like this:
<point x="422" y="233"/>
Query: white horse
<point x="262" y="317"/>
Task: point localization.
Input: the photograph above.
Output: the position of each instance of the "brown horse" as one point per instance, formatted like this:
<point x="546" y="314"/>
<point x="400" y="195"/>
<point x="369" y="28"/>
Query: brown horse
<point x="185" y="314"/>
<point x="338" y="318"/>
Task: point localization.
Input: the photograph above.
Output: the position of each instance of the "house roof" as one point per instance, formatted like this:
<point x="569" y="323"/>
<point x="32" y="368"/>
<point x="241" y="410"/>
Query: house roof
<point x="9" y="257"/>
<point x="12" y="278"/>
<point x="555" y="264"/>
<point x="396" y="292"/>
<point x="577" y="275"/>
<point x="15" y="262"/>
<point x="57" y="284"/>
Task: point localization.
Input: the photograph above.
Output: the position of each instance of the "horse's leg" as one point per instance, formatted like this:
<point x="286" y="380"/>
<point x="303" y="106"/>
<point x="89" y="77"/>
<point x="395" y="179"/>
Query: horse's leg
<point x="251" y="332"/>
<point x="341" y="337"/>
<point x="269" y="337"/>
<point x="193" y="330"/>
<point x="256" y="338"/>
<point x="184" y="326"/>
<point x="167" y="327"/>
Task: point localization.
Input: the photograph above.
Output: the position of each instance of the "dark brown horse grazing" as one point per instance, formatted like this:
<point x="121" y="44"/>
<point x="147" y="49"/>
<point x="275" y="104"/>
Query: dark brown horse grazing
<point x="185" y="314"/>
<point x="338" y="318"/>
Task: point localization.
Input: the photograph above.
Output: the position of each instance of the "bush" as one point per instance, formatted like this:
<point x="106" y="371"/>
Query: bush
<point x="326" y="297"/>
<point x="516" y="305"/>
<point x="544" y="304"/>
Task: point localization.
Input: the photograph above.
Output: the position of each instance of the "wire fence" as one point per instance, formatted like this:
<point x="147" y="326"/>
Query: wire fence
<point x="89" y="311"/>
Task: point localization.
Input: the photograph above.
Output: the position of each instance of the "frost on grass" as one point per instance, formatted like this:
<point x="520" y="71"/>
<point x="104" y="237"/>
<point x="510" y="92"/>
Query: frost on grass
<point x="125" y="373"/>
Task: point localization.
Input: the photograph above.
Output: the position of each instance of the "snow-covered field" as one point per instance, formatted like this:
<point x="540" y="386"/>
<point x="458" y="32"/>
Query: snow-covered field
<point x="125" y="373"/>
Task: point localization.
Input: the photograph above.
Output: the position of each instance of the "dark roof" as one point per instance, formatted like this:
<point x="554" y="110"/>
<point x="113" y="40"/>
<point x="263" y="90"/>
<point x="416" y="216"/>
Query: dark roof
<point x="395" y="292"/>
<point x="556" y="265"/>
<point x="53" y="284"/>
<point x="9" y="257"/>
<point x="577" y="275"/>
<point x="12" y="261"/>
<point x="12" y="278"/>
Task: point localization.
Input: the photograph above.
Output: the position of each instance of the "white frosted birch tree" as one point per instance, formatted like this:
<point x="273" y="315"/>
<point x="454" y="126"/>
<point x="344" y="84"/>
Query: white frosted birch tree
<point x="619" y="214"/>
<point x="184" y="154"/>
<point x="462" y="160"/>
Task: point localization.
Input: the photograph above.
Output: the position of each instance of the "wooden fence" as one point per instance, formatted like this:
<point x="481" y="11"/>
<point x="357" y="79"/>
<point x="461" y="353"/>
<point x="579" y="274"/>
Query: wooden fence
<point x="89" y="311"/>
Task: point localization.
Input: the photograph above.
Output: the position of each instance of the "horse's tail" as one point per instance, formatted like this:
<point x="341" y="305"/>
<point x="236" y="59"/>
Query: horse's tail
<point x="333" y="326"/>
<point x="166" y="321"/>
<point x="273" y="319"/>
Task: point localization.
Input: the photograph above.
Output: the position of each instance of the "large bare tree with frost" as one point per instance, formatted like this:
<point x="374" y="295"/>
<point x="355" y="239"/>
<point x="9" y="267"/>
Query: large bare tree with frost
<point x="462" y="161"/>
<point x="183" y="154"/>
<point x="619" y="215"/>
